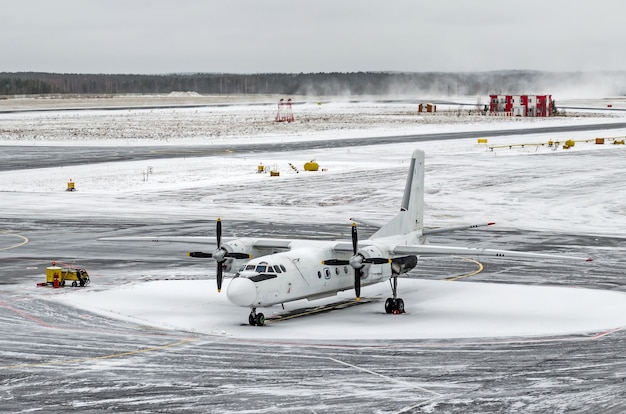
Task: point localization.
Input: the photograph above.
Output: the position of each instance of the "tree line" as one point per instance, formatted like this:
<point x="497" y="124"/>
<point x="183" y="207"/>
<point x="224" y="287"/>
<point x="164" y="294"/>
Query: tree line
<point x="316" y="84"/>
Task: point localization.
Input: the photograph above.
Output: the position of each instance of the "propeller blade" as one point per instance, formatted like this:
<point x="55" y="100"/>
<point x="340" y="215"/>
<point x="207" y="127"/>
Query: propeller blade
<point x="357" y="284"/>
<point x="376" y="260"/>
<point x="219" y="232"/>
<point x="199" y="254"/>
<point x="355" y="239"/>
<point x="219" y="277"/>
<point x="335" y="262"/>
<point x="236" y="255"/>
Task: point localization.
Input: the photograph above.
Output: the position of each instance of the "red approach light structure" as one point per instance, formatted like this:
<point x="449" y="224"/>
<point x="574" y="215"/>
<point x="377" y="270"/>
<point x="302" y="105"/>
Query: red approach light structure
<point x="284" y="113"/>
<point x="521" y="105"/>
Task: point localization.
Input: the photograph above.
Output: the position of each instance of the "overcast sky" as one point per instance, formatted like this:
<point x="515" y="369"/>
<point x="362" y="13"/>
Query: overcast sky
<point x="255" y="36"/>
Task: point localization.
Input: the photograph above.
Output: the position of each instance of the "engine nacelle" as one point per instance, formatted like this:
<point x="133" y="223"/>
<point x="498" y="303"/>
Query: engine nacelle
<point x="369" y="252"/>
<point x="375" y="271"/>
<point x="403" y="264"/>
<point x="232" y="265"/>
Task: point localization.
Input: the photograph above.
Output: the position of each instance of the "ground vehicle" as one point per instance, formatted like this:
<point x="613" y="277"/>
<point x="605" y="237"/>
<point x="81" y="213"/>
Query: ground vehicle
<point x="56" y="276"/>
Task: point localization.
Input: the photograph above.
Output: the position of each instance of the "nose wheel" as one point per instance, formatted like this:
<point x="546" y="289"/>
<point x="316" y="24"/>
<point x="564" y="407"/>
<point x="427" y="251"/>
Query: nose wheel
<point x="256" y="319"/>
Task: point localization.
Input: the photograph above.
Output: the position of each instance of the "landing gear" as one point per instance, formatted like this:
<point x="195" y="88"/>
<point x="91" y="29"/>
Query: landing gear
<point x="256" y="319"/>
<point x="394" y="304"/>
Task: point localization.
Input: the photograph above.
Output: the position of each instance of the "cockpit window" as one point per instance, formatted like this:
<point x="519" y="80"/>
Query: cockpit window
<point x="283" y="268"/>
<point x="277" y="269"/>
<point x="261" y="268"/>
<point x="250" y="267"/>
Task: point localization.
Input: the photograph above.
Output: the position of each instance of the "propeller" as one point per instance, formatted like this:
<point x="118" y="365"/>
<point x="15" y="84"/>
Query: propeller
<point x="357" y="261"/>
<point x="220" y="255"/>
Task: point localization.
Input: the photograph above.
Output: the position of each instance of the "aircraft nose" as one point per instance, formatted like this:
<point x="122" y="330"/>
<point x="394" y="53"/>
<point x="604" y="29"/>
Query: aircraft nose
<point x="241" y="291"/>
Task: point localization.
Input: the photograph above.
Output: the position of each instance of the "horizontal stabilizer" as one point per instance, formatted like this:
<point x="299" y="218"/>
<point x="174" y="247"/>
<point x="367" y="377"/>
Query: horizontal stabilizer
<point x="441" y="230"/>
<point x="366" y="222"/>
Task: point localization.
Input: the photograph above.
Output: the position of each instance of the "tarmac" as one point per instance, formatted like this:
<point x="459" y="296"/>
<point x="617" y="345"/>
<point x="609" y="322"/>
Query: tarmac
<point x="59" y="359"/>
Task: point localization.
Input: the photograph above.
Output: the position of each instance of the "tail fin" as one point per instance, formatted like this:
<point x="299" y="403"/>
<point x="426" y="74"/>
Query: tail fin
<point x="411" y="215"/>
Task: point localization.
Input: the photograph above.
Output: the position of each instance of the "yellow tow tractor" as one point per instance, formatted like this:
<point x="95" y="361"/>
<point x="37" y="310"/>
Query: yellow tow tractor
<point x="56" y="276"/>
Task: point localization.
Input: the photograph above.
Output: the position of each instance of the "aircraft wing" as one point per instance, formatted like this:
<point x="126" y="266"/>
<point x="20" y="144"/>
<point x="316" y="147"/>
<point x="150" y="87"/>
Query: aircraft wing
<point x="433" y="250"/>
<point x="343" y="247"/>
<point x="163" y="239"/>
<point x="261" y="243"/>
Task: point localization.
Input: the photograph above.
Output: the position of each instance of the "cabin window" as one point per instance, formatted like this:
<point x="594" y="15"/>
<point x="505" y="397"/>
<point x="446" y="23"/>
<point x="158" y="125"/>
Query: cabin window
<point x="337" y="271"/>
<point x="319" y="274"/>
<point x="345" y="269"/>
<point x="327" y="273"/>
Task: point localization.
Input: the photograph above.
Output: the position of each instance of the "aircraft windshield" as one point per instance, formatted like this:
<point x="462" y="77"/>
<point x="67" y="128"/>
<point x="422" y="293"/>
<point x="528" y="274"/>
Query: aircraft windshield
<point x="263" y="268"/>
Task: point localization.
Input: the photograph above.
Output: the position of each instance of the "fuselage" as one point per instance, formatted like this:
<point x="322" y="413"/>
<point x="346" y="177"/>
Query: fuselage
<point x="296" y="274"/>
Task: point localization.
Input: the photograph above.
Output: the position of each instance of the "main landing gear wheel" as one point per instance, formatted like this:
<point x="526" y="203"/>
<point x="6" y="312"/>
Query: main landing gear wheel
<point x="395" y="306"/>
<point x="256" y="319"/>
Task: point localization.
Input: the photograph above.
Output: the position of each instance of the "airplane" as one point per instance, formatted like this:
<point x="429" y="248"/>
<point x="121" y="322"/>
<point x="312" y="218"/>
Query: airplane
<point x="270" y="271"/>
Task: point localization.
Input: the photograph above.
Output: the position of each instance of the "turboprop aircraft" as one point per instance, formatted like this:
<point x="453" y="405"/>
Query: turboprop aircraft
<point x="276" y="271"/>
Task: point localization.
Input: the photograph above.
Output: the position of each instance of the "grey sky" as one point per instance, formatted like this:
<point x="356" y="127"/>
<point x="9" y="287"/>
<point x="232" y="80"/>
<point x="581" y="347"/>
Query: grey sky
<point x="254" y="36"/>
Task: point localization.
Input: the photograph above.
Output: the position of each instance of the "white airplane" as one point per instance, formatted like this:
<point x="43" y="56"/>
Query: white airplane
<point x="276" y="271"/>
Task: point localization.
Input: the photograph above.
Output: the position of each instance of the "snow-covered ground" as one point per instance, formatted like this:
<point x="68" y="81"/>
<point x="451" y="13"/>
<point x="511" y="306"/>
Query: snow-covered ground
<point x="237" y="123"/>
<point x="578" y="190"/>
<point x="436" y="309"/>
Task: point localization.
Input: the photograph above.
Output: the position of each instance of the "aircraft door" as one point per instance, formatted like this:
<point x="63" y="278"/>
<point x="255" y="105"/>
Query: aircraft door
<point x="327" y="275"/>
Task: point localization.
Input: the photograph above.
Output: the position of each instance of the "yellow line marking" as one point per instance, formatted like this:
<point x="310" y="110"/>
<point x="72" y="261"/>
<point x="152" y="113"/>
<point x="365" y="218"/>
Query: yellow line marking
<point x="475" y="272"/>
<point x="119" y="355"/>
<point x="24" y="241"/>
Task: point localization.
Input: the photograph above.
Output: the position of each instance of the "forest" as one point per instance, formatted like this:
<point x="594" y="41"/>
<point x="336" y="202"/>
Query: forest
<point x="317" y="84"/>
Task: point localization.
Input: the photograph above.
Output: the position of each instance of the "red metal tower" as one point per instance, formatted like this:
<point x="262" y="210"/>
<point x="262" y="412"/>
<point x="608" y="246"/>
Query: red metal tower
<point x="284" y="113"/>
